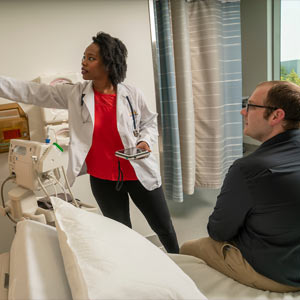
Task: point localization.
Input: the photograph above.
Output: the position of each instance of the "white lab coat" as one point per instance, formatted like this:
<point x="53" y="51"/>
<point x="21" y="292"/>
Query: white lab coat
<point x="79" y="100"/>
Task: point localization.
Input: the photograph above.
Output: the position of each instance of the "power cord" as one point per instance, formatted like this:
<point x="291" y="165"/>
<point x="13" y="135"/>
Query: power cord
<point x="2" y="196"/>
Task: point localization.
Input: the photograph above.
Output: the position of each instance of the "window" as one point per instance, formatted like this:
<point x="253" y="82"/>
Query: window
<point x="290" y="42"/>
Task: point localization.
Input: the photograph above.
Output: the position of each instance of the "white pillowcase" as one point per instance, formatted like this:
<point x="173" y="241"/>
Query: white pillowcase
<point x="105" y="259"/>
<point x="36" y="265"/>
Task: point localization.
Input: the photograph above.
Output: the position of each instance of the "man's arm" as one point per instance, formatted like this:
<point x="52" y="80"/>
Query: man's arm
<point x="233" y="205"/>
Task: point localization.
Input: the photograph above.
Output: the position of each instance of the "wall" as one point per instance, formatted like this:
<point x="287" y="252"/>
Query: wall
<point x="256" y="32"/>
<point x="48" y="36"/>
<point x="256" y="47"/>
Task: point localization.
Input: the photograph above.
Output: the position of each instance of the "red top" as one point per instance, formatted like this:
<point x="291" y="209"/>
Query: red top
<point x="101" y="160"/>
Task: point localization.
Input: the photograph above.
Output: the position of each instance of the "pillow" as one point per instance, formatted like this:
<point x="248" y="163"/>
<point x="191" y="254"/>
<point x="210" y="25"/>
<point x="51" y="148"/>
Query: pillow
<point x="36" y="265"/>
<point x="105" y="259"/>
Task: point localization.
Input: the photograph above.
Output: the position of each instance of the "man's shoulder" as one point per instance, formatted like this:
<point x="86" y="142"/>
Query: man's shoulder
<point x="249" y="159"/>
<point x="252" y="163"/>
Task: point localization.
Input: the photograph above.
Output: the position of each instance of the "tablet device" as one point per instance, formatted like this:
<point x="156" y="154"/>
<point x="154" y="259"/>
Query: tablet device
<point x="132" y="153"/>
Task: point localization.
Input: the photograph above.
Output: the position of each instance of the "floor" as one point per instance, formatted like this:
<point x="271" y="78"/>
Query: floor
<point x="190" y="217"/>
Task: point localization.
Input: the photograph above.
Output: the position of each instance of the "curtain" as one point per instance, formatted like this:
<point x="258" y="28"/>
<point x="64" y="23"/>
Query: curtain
<point x="205" y="49"/>
<point x="184" y="89"/>
<point x="172" y="174"/>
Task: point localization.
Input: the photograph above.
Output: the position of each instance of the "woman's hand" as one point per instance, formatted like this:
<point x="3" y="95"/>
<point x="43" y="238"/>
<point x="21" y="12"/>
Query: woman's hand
<point x="144" y="146"/>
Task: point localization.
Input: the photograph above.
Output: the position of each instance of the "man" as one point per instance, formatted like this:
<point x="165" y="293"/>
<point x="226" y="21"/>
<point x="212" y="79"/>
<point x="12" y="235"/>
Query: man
<point x="254" y="230"/>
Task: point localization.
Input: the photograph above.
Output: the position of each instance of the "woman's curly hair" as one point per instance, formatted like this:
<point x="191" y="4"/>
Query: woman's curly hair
<point x="113" y="54"/>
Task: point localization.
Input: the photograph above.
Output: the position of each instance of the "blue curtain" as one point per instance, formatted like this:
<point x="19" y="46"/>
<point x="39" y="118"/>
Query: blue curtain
<point x="232" y="81"/>
<point x="172" y="175"/>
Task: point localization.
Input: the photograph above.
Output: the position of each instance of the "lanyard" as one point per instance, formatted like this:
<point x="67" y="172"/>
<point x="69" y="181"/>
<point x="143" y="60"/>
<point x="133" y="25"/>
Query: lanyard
<point x="135" y="132"/>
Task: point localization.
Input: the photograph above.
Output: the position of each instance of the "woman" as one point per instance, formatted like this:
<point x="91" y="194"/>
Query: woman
<point x="106" y="115"/>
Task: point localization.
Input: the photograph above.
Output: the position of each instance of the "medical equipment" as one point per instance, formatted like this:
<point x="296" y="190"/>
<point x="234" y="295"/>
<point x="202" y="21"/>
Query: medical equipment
<point x="132" y="153"/>
<point x="59" y="133"/>
<point x="56" y="120"/>
<point x="13" y="124"/>
<point x="35" y="167"/>
<point x="133" y="113"/>
<point x="129" y="154"/>
<point x="56" y="125"/>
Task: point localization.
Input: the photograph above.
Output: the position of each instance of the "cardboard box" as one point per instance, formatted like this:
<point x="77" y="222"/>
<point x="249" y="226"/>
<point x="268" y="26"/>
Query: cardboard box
<point x="13" y="125"/>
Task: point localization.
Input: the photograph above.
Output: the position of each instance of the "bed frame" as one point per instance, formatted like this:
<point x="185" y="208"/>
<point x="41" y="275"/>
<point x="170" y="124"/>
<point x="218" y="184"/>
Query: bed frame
<point x="4" y="277"/>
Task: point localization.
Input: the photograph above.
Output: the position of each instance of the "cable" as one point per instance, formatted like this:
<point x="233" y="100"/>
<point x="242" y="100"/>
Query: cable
<point x="2" y="193"/>
<point x="55" y="189"/>
<point x="68" y="186"/>
<point x="49" y="177"/>
<point x="61" y="185"/>
<point x="45" y="191"/>
<point x="63" y="130"/>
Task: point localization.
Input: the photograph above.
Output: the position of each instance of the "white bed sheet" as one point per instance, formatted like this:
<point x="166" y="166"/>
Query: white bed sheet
<point x="36" y="265"/>
<point x="216" y="286"/>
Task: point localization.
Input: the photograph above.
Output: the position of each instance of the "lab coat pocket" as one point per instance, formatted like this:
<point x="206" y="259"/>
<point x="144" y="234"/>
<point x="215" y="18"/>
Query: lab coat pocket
<point x="149" y="165"/>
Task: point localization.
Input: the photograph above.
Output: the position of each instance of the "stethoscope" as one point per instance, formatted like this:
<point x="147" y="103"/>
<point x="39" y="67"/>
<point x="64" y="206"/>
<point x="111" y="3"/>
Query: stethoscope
<point x="135" y="131"/>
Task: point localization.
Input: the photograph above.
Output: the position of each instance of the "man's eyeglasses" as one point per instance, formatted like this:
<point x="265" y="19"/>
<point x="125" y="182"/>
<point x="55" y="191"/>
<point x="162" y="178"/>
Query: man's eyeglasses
<point x="261" y="106"/>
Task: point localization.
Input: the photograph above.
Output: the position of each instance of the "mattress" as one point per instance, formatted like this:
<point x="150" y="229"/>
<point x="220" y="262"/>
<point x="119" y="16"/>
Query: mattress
<point x="216" y="286"/>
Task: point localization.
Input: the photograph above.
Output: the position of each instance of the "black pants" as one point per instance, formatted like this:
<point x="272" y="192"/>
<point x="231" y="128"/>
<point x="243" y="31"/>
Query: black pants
<point x="115" y="205"/>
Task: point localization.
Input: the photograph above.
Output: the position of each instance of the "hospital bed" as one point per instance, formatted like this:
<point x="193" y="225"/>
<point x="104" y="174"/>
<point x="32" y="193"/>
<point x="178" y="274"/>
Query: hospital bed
<point x="36" y="270"/>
